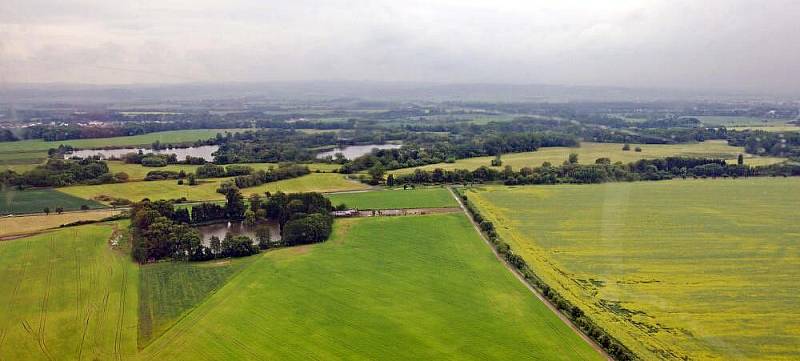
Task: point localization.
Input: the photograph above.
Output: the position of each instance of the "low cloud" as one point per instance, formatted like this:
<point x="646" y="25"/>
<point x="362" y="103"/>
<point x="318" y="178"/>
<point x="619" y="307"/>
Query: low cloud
<point x="735" y="44"/>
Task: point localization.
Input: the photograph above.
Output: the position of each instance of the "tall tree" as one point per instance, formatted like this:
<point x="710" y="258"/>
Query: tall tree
<point x="234" y="204"/>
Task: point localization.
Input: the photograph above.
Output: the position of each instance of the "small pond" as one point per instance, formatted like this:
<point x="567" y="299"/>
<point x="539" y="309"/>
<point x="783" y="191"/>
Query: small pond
<point x="355" y="151"/>
<point x="235" y="228"/>
<point x="203" y="151"/>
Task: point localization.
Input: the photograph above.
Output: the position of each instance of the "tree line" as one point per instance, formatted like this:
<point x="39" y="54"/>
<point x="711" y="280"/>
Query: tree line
<point x="63" y="172"/>
<point x="609" y="343"/>
<point x="421" y="149"/>
<point x="600" y="172"/>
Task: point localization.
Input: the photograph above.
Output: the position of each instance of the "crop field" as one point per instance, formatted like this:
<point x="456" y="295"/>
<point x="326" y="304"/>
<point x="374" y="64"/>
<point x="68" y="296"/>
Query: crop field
<point x="588" y="152"/>
<point x="206" y="190"/>
<point x="396" y="199"/>
<point x="703" y="269"/>
<point x="423" y="288"/>
<point x="35" y="150"/>
<point x="13" y="201"/>
<point x="67" y="295"/>
<point x="34" y="223"/>
<point x="168" y="290"/>
<point x="138" y="172"/>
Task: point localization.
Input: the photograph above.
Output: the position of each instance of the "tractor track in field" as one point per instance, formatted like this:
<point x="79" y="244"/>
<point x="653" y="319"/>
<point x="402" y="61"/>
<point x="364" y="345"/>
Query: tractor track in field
<point x="77" y="280"/>
<point x="40" y="333"/>
<point x="121" y="317"/>
<point x="12" y="300"/>
<point x="533" y="290"/>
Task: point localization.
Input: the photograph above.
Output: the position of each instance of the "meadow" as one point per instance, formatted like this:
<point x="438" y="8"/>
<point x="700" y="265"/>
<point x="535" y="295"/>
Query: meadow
<point x="588" y="152"/>
<point x="697" y="269"/>
<point x="206" y="189"/>
<point x="13" y="201"/>
<point x="169" y="290"/>
<point x="779" y="128"/>
<point x="423" y="287"/>
<point x="396" y="199"/>
<point x="67" y="295"/>
<point x="28" y="224"/>
<point x="737" y="121"/>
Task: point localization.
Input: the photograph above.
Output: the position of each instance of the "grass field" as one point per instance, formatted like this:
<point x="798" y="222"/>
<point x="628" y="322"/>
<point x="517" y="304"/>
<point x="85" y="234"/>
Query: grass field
<point x="704" y="269"/>
<point x="35" y="200"/>
<point x="206" y="190"/>
<point x="66" y="295"/>
<point x="734" y="121"/>
<point x="35" y="151"/>
<point x="170" y="289"/>
<point x="588" y="152"/>
<point x="770" y="128"/>
<point x="396" y="198"/>
<point x="138" y="172"/>
<point x="382" y="288"/>
<point x="35" y="223"/>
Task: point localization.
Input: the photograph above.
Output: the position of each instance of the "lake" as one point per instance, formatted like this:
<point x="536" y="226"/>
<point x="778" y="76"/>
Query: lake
<point x="355" y="151"/>
<point x="235" y="228"/>
<point x="203" y="151"/>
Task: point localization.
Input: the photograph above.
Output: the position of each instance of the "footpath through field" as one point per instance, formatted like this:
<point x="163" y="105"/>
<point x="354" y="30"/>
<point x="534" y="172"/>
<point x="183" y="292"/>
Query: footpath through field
<point x="519" y="276"/>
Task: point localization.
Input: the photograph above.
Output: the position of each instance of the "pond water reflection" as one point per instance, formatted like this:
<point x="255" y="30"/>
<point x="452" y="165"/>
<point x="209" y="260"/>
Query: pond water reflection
<point x="235" y="228"/>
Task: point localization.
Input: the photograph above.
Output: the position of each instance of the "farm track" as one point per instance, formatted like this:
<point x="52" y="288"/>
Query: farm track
<point x="40" y="333"/>
<point x="13" y="298"/>
<point x="519" y="277"/>
<point x="121" y="317"/>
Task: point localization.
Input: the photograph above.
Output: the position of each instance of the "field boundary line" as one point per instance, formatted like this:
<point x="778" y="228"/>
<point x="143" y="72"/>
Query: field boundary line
<point x="533" y="290"/>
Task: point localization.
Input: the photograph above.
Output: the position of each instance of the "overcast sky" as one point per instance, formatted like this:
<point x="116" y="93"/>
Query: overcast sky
<point x="748" y="45"/>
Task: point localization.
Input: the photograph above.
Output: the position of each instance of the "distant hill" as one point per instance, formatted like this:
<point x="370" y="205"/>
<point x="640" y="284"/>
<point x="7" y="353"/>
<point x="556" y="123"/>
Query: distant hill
<point x="338" y="90"/>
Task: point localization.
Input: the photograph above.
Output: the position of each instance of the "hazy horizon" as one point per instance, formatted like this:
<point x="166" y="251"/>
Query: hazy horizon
<point x="741" y="46"/>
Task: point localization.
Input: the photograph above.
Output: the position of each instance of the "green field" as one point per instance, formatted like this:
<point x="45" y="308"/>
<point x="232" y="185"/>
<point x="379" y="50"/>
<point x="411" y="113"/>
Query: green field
<point x="171" y="289"/>
<point x="35" y="200"/>
<point x="206" y="190"/>
<point x="396" y="199"/>
<point x="588" y="152"/>
<point x="66" y="295"/>
<point x="35" y="151"/>
<point x="704" y="269"/>
<point x="780" y="128"/>
<point x="35" y="223"/>
<point x="420" y="288"/>
<point x="737" y="121"/>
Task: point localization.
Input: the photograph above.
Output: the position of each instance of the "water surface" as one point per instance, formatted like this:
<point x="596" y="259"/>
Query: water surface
<point x="204" y="151"/>
<point x="355" y="151"/>
<point x="235" y="228"/>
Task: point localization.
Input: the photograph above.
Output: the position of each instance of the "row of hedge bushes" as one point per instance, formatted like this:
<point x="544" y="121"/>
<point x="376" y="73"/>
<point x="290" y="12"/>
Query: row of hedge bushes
<point x="610" y="344"/>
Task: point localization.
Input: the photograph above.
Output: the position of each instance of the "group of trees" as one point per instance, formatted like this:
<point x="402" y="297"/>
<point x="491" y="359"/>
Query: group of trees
<point x="421" y="149"/>
<point x="285" y="171"/>
<point x="271" y="145"/>
<point x="602" y="171"/>
<point x="210" y="170"/>
<point x="149" y="159"/>
<point x="63" y="172"/>
<point x="784" y="144"/>
<point x="159" y="230"/>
